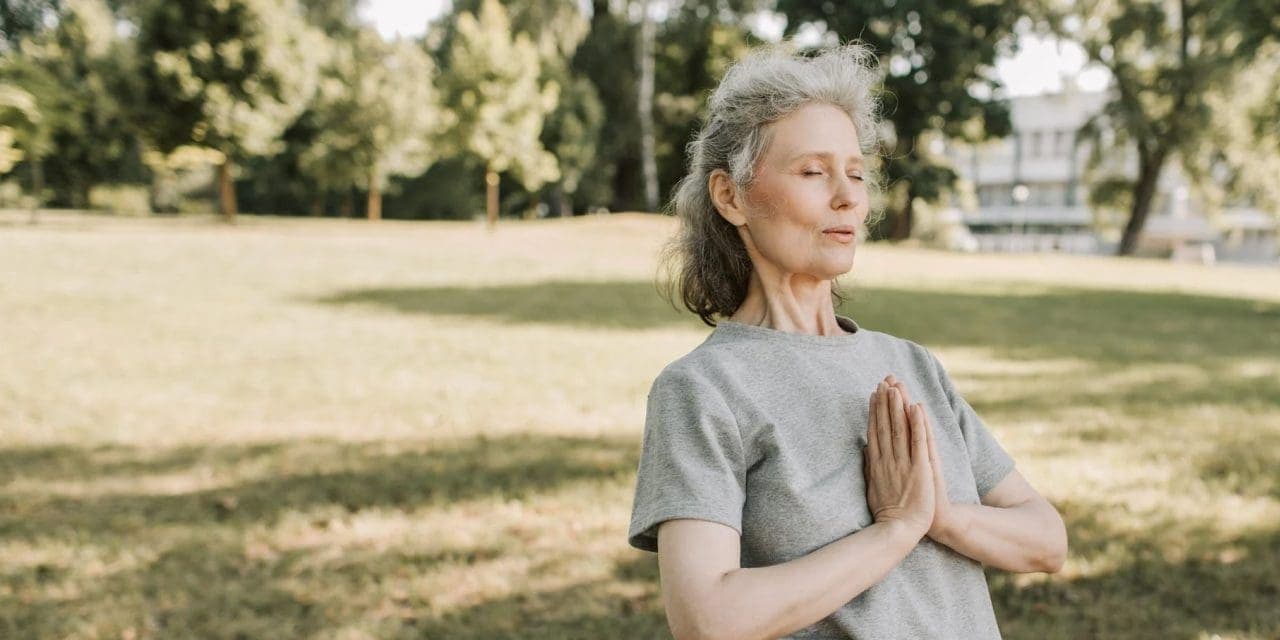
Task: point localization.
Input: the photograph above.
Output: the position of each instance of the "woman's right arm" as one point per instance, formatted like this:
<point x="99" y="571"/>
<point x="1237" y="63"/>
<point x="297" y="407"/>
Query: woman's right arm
<point x="707" y="594"/>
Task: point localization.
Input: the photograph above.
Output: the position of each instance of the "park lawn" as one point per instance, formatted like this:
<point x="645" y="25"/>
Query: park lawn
<point x="336" y="429"/>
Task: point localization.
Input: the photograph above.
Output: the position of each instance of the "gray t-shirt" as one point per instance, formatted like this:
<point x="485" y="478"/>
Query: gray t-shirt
<point x="762" y="430"/>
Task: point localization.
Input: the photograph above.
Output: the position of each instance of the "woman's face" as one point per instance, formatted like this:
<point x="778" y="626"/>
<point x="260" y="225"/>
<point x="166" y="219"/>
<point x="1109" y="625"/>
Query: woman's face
<point x="808" y="196"/>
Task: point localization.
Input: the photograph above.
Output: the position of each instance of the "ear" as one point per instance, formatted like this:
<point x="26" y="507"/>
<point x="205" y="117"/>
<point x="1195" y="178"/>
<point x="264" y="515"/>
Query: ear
<point x="724" y="197"/>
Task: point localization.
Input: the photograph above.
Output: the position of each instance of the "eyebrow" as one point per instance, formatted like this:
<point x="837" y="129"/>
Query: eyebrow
<point x="821" y="154"/>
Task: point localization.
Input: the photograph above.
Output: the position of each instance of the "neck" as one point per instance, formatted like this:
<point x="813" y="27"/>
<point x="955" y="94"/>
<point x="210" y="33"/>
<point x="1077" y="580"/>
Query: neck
<point x="789" y="302"/>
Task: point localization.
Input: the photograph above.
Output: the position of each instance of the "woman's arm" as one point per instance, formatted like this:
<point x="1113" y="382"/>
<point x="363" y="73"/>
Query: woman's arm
<point x="1014" y="529"/>
<point x="707" y="594"/>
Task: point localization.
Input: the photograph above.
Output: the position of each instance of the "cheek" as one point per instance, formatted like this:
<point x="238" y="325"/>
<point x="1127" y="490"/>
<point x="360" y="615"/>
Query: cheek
<point x="792" y="204"/>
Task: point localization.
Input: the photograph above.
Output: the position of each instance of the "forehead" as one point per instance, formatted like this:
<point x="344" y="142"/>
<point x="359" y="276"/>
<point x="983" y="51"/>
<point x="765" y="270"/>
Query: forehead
<point x="816" y="128"/>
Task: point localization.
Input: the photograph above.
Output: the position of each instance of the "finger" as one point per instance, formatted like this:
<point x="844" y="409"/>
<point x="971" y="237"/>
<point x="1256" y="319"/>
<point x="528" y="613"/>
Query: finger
<point x="928" y="430"/>
<point x="935" y="458"/>
<point x="901" y="445"/>
<point x="902" y="389"/>
<point x="884" y="426"/>
<point x="921" y="451"/>
<point x="873" y="426"/>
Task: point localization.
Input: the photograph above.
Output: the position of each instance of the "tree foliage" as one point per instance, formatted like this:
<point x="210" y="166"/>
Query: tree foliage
<point x="1170" y="60"/>
<point x="492" y="82"/>
<point x="79" y="74"/>
<point x="939" y="57"/>
<point x="230" y="75"/>
<point x="376" y="115"/>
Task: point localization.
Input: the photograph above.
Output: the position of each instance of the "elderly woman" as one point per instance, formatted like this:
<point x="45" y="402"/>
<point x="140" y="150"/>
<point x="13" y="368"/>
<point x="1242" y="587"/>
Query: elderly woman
<point x="801" y="475"/>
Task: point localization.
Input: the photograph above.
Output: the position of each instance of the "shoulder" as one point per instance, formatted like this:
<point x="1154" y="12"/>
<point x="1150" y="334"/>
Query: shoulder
<point x="900" y="349"/>
<point x="698" y="370"/>
<point x="707" y="365"/>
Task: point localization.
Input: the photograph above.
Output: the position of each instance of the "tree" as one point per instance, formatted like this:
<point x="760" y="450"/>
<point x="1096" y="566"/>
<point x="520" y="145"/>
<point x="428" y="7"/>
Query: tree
<point x="377" y="115"/>
<point x="78" y="72"/>
<point x="644" y="104"/>
<point x="17" y="114"/>
<point x="695" y="46"/>
<point x="1168" y="60"/>
<point x="492" y="84"/>
<point x="1241" y="153"/>
<point x="23" y="18"/>
<point x="228" y="75"/>
<point x="940" y="80"/>
<point x="615" y="178"/>
<point x="571" y="131"/>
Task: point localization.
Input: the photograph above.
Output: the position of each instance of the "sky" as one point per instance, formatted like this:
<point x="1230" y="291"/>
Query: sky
<point x="1036" y="68"/>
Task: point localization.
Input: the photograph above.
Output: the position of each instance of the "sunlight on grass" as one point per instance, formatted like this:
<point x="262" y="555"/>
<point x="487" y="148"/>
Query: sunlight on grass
<point x="329" y="429"/>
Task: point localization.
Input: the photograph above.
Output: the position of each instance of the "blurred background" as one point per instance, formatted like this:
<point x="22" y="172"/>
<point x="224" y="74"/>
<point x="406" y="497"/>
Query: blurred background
<point x="336" y="318"/>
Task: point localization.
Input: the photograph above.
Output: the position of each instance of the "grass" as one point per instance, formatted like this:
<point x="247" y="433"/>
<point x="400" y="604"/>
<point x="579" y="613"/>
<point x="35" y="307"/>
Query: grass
<point x="330" y="429"/>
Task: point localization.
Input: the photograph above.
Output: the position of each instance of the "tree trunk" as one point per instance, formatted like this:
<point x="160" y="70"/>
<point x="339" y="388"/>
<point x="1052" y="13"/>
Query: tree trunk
<point x="37" y="190"/>
<point x="226" y="191"/>
<point x="1149" y="168"/>
<point x="374" y="205"/>
<point x="562" y="202"/>
<point x="645" y="102"/>
<point x="906" y="217"/>
<point x="317" y="205"/>
<point x="348" y="209"/>
<point x="491" y="197"/>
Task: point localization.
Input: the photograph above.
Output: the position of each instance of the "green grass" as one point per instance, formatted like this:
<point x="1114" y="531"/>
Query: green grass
<point x="331" y="429"/>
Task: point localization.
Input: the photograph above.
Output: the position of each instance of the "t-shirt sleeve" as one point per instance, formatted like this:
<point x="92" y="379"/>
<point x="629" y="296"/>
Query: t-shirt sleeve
<point x="691" y="459"/>
<point x="990" y="462"/>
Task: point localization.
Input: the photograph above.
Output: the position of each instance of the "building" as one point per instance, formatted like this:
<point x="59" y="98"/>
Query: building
<point x="1029" y="194"/>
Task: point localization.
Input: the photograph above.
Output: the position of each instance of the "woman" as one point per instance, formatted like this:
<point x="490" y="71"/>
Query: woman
<point x="801" y="474"/>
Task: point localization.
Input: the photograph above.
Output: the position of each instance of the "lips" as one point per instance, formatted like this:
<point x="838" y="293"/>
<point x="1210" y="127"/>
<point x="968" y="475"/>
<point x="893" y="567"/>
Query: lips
<point x="843" y="233"/>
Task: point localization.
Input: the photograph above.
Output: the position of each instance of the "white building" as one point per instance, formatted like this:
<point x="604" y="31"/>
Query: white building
<point x="1029" y="194"/>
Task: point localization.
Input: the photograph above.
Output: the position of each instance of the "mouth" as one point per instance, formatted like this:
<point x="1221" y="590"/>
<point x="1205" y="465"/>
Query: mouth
<point x="842" y="233"/>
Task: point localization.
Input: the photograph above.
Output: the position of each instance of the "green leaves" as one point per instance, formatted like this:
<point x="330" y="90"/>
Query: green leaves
<point x="493" y="83"/>
<point x="237" y="72"/>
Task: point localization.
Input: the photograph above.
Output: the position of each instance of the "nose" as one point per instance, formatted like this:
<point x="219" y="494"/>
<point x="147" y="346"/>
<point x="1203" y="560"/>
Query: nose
<point x="845" y="195"/>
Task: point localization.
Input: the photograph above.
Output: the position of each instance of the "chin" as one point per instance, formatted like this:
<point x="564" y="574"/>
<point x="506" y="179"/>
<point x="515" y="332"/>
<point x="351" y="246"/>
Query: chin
<point x="840" y="268"/>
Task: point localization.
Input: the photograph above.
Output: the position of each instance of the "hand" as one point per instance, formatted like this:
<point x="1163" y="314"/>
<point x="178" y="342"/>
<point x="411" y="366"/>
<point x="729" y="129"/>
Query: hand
<point x="944" y="516"/>
<point x="896" y="462"/>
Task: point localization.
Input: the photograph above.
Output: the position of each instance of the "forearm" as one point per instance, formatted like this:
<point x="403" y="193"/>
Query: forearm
<point x="768" y="602"/>
<point x="1022" y="538"/>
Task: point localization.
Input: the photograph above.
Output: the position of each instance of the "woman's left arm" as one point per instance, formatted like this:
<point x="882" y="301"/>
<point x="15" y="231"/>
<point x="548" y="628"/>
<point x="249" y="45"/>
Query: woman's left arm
<point x="1014" y="529"/>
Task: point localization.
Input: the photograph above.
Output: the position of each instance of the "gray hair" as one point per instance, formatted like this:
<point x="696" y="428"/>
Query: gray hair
<point x="769" y="83"/>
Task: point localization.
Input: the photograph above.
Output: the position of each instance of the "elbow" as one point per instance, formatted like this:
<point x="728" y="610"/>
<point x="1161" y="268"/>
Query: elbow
<point x="704" y="625"/>
<point x="701" y="630"/>
<point x="1051" y="560"/>
<point x="709" y="621"/>
<point x="1054" y="555"/>
<point x="696" y="621"/>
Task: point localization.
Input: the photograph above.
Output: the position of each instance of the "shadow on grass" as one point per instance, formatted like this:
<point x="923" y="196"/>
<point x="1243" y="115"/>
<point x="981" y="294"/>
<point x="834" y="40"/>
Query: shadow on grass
<point x="202" y="588"/>
<point x="610" y="305"/>
<point x="582" y="610"/>
<point x="297" y="476"/>
<point x="1105" y="326"/>
<point x="1215" y="588"/>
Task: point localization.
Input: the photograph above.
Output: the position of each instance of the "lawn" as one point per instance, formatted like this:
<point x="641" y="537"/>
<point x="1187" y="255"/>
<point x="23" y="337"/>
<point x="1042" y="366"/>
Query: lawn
<point x="336" y="429"/>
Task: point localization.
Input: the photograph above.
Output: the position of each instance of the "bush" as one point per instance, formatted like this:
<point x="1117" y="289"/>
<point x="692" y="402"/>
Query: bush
<point x="122" y="199"/>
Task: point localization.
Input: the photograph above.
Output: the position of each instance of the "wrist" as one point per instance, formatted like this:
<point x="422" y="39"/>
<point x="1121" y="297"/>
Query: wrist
<point x="904" y="529"/>
<point x="954" y="528"/>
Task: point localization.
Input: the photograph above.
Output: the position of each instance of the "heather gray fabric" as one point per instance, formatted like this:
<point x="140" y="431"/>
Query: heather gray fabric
<point x="762" y="430"/>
